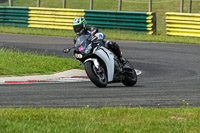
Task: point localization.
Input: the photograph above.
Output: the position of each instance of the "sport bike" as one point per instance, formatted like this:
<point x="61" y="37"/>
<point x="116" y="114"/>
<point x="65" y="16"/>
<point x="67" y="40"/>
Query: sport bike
<point x="101" y="65"/>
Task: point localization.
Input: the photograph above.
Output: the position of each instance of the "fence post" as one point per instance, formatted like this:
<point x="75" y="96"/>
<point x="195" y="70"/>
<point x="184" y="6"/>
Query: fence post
<point x="150" y="5"/>
<point x="190" y="6"/>
<point x="120" y="5"/>
<point x="182" y="6"/>
<point x="38" y="3"/>
<point x="64" y="3"/>
<point x="10" y="2"/>
<point x="91" y="4"/>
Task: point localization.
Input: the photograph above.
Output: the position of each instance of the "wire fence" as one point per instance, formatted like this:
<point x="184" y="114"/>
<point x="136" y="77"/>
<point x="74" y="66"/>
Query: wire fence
<point x="124" y="5"/>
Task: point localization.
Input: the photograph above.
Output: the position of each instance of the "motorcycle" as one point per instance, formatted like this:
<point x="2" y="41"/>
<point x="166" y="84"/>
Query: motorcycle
<point x="101" y="65"/>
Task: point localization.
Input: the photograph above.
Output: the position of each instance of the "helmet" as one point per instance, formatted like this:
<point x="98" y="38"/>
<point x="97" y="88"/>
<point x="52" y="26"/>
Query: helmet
<point x="79" y="25"/>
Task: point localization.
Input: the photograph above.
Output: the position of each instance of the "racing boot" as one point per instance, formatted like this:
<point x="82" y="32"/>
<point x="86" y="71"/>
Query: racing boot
<point x="122" y="60"/>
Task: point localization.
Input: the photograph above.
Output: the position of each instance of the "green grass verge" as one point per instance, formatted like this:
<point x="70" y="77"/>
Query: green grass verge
<point x="102" y="120"/>
<point x="17" y="63"/>
<point x="36" y="31"/>
<point x="110" y="34"/>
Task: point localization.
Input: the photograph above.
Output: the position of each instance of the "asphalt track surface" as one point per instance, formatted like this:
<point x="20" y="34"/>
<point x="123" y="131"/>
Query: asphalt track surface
<point x="170" y="74"/>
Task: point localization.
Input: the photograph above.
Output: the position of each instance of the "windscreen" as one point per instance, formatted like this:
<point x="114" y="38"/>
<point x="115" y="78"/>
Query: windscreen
<point x="81" y="43"/>
<point x="81" y="40"/>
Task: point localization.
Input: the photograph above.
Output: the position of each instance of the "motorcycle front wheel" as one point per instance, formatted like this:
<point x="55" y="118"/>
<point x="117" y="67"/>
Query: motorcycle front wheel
<point x="97" y="76"/>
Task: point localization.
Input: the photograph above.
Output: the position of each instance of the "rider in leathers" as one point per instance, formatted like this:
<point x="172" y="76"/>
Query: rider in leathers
<point x="80" y="28"/>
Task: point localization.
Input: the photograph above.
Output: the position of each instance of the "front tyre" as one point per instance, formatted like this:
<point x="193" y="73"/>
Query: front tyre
<point x="130" y="78"/>
<point x="97" y="76"/>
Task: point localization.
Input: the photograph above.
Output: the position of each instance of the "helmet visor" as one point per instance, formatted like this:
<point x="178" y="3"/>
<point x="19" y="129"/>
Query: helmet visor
<point x="77" y="28"/>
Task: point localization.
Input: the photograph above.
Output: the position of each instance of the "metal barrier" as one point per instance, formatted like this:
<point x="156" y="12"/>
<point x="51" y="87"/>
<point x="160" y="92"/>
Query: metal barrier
<point x="135" y="21"/>
<point x="56" y="18"/>
<point x="183" y="24"/>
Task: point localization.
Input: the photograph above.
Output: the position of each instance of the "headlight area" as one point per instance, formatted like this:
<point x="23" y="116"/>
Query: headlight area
<point x="79" y="56"/>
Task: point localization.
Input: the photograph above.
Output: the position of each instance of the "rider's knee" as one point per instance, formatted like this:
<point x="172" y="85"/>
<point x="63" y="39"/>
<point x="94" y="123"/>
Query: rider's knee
<point x="111" y="45"/>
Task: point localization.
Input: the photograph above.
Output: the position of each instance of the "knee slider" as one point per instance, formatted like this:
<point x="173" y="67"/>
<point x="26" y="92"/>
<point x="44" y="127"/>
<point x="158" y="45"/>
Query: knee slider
<point x="112" y="45"/>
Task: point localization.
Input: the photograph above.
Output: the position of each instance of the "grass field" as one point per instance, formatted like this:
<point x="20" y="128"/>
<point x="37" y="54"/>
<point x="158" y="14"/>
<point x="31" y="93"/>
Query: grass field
<point x="103" y="120"/>
<point x="17" y="63"/>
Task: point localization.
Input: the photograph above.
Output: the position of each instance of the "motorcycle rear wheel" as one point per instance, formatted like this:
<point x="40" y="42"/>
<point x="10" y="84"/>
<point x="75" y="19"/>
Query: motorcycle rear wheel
<point x="130" y="78"/>
<point x="97" y="76"/>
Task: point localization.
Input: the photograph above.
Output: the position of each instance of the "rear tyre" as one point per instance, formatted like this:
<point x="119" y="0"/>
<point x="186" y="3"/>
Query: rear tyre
<point x="130" y="78"/>
<point x="97" y="76"/>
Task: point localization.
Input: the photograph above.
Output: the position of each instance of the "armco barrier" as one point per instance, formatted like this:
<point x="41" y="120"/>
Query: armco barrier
<point x="136" y="21"/>
<point x="39" y="17"/>
<point x="183" y="24"/>
<point x="15" y="16"/>
<point x="53" y="17"/>
<point x="56" y="18"/>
